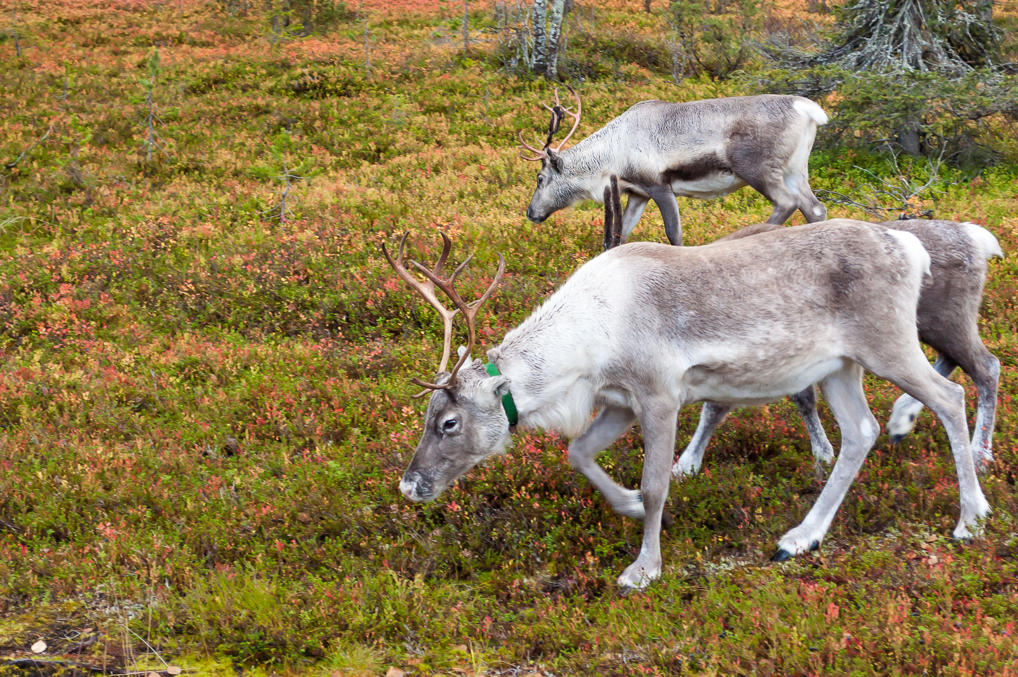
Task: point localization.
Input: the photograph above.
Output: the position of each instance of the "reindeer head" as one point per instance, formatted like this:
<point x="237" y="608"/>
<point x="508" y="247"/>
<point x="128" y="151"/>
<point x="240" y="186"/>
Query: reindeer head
<point x="465" y="422"/>
<point x="556" y="187"/>
<point x="464" y="425"/>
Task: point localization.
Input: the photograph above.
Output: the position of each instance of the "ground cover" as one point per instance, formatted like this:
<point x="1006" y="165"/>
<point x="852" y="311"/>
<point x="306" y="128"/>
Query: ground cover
<point x="205" y="412"/>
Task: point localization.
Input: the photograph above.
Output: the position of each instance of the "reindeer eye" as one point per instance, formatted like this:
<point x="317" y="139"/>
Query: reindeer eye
<point x="450" y="424"/>
<point x="540" y="181"/>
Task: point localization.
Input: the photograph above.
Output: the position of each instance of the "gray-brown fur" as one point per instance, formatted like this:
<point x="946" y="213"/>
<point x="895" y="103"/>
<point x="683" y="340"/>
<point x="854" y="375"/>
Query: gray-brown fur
<point x="644" y="328"/>
<point x="697" y="149"/>
<point x="947" y="320"/>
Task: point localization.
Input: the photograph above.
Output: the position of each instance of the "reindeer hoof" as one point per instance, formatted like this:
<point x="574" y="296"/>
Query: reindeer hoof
<point x="667" y="519"/>
<point x="781" y="555"/>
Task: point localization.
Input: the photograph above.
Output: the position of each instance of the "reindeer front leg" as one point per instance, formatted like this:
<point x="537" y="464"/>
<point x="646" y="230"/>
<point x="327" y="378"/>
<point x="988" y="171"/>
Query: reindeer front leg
<point x="635" y="204"/>
<point x="664" y="198"/>
<point x="658" y="420"/>
<point x="823" y="453"/>
<point x="606" y="427"/>
<point x="711" y="416"/>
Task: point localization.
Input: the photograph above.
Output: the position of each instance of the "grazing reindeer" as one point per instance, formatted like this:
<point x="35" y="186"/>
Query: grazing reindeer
<point x="699" y="149"/>
<point x="645" y="328"/>
<point x="948" y="321"/>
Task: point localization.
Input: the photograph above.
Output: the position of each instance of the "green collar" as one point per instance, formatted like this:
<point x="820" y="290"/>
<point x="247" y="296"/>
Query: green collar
<point x="507" y="400"/>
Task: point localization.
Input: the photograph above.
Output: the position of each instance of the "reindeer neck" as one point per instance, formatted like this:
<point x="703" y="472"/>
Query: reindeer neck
<point x="588" y="156"/>
<point x="550" y="380"/>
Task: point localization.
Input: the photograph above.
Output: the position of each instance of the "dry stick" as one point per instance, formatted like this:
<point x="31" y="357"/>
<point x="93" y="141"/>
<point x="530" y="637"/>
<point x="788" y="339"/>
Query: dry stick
<point x="37" y="666"/>
<point x="466" y="26"/>
<point x="15" y="161"/>
<point x="152" y="139"/>
<point x="367" y="41"/>
<point x="150" y="648"/>
<point x="17" y="43"/>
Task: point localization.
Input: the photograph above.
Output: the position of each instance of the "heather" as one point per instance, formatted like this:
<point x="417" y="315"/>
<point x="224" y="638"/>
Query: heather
<point x="205" y="371"/>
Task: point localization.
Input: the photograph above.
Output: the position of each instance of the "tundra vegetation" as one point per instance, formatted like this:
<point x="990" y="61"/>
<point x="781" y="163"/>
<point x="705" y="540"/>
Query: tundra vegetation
<point x="204" y="392"/>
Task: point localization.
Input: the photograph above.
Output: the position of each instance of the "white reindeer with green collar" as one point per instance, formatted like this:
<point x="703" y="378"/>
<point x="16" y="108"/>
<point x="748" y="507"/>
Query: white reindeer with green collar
<point x="644" y="329"/>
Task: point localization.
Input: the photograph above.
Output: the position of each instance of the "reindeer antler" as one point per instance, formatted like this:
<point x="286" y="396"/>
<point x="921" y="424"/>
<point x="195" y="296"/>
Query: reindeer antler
<point x="612" y="214"/>
<point x="558" y="111"/>
<point x="562" y="109"/>
<point x="447" y="285"/>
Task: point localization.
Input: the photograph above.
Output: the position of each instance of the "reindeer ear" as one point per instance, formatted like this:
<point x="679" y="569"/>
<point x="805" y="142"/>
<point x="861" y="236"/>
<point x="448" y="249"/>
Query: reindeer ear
<point x="554" y="160"/>
<point x="498" y="385"/>
<point x="459" y="353"/>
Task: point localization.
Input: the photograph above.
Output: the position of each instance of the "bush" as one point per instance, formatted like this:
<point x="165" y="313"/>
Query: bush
<point x="714" y="37"/>
<point x="921" y="113"/>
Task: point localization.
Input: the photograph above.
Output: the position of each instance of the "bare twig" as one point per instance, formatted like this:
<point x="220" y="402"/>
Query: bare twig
<point x="13" y="163"/>
<point x="900" y="192"/>
<point x="287" y="177"/>
<point x="367" y="41"/>
<point x="36" y="666"/>
<point x="152" y="139"/>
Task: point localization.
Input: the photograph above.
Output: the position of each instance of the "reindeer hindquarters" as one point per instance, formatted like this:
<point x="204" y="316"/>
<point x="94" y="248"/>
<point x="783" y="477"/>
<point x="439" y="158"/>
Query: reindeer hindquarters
<point x="769" y="182"/>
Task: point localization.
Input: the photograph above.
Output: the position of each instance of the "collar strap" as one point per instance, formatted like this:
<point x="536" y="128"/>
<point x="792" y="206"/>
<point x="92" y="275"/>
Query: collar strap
<point x="507" y="400"/>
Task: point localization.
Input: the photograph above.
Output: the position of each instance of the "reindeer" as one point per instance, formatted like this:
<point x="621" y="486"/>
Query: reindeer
<point x="644" y="328"/>
<point x="700" y="149"/>
<point x="948" y="321"/>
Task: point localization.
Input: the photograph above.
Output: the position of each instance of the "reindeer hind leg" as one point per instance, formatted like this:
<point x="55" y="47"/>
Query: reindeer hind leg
<point x="844" y="393"/>
<point x="910" y="371"/>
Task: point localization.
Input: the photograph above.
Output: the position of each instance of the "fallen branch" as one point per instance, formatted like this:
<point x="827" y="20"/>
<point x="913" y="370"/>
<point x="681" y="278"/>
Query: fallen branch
<point x="13" y="163"/>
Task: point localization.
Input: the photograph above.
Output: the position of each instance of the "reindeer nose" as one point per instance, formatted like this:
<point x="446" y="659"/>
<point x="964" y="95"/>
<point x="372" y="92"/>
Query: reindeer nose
<point x="411" y="487"/>
<point x="408" y="488"/>
<point x="533" y="216"/>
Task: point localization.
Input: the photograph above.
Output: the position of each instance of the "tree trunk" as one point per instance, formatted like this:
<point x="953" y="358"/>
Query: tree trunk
<point x="555" y="18"/>
<point x="984" y="10"/>
<point x="540" y="37"/>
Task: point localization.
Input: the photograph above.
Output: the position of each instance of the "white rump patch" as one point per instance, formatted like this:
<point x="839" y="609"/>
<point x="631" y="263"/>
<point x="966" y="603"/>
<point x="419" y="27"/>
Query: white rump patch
<point x="985" y="239"/>
<point x="915" y="251"/>
<point x="812" y="110"/>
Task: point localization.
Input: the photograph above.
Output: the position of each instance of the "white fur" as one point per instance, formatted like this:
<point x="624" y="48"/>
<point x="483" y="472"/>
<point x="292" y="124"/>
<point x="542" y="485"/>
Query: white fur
<point x="986" y="240"/>
<point x="916" y="253"/>
<point x="812" y="110"/>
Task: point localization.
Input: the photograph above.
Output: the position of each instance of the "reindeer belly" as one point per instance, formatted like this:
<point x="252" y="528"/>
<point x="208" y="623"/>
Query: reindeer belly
<point x="755" y="381"/>
<point x="714" y="184"/>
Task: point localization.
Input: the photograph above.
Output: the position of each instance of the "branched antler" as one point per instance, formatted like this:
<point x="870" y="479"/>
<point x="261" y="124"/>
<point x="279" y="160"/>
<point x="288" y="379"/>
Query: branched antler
<point x="427" y="290"/>
<point x="558" y="112"/>
<point x="447" y="285"/>
<point x="575" y="116"/>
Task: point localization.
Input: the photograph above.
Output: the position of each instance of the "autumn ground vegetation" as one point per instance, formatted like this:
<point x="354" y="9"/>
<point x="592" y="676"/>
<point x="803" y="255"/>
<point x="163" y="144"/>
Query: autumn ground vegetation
<point x="204" y="367"/>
